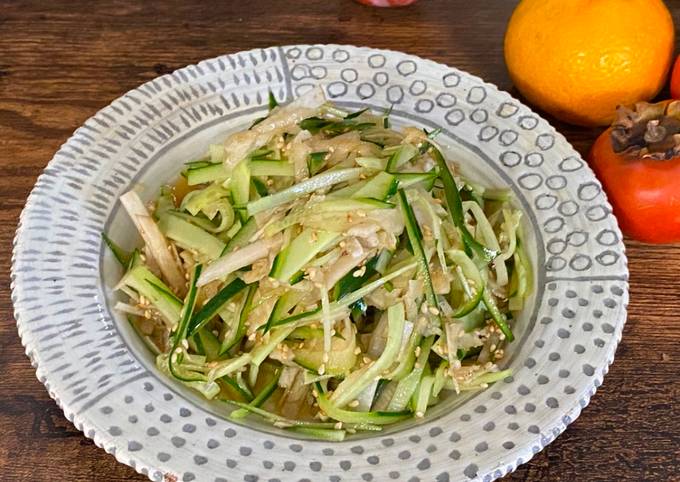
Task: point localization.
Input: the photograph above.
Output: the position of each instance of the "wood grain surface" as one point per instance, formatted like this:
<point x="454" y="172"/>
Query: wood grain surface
<point x="61" y="61"/>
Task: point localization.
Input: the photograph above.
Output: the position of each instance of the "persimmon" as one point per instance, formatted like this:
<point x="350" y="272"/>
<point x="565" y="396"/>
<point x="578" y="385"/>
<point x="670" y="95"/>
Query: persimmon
<point x="638" y="162"/>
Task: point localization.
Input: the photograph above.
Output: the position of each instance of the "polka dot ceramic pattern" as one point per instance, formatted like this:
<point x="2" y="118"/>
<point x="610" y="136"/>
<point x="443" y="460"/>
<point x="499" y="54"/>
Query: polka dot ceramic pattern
<point x="105" y="382"/>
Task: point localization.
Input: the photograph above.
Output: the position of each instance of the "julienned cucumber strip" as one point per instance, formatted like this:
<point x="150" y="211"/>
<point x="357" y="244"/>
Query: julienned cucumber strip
<point x="316" y="162"/>
<point x="261" y="397"/>
<point x="455" y="206"/>
<point x="330" y="434"/>
<point x="143" y="281"/>
<point x="349" y="389"/>
<point x="245" y="394"/>
<point x="407" y="385"/>
<point x="300" y="251"/>
<point x="240" y="186"/>
<point x="382" y="187"/>
<point x="410" y="179"/>
<point x="271" y="168"/>
<point x="237" y="331"/>
<point x="242" y="237"/>
<point x="347" y="416"/>
<point x="210" y="345"/>
<point x="498" y="317"/>
<point x="401" y="156"/>
<point x="206" y="173"/>
<point x="350" y="282"/>
<point x="190" y="236"/>
<point x="122" y="256"/>
<point x="284" y="422"/>
<point x="415" y="237"/>
<point x="325" y="180"/>
<point x="180" y="334"/>
<point x="470" y="270"/>
<point x="214" y="305"/>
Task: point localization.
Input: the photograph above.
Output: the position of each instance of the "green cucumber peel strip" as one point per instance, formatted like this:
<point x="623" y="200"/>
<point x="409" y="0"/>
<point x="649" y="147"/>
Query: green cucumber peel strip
<point x="498" y="317"/>
<point x="401" y="156"/>
<point x="410" y="179"/>
<point x="272" y="101"/>
<point x="182" y="327"/>
<point x="316" y="162"/>
<point x="236" y="334"/>
<point x="214" y="305"/>
<point x="241" y="390"/>
<point x="455" y="205"/>
<point x="414" y="238"/>
<point x="148" y="285"/>
<point x="122" y="256"/>
<point x="261" y="397"/>
<point x="349" y="282"/>
<point x="260" y="187"/>
<point x="471" y="271"/>
<point x="162" y="290"/>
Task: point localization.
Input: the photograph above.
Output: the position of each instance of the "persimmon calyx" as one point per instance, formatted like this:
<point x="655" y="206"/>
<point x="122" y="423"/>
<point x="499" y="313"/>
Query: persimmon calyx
<point x="647" y="131"/>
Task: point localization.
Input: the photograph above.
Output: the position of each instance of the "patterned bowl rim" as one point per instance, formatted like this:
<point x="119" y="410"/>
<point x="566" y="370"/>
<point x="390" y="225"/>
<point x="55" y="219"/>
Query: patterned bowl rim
<point x="101" y="439"/>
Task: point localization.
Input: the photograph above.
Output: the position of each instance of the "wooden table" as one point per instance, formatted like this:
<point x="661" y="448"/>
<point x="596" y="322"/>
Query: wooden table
<point x="60" y="63"/>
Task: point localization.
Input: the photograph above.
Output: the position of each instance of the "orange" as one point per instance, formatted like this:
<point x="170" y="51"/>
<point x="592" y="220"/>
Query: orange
<point x="579" y="59"/>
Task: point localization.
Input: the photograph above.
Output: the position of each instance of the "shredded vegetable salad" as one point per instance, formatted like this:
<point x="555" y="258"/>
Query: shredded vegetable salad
<point x="325" y="272"/>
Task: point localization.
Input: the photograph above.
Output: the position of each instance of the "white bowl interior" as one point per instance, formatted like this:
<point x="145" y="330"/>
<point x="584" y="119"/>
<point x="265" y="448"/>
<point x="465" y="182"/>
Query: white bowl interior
<point x="165" y="170"/>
